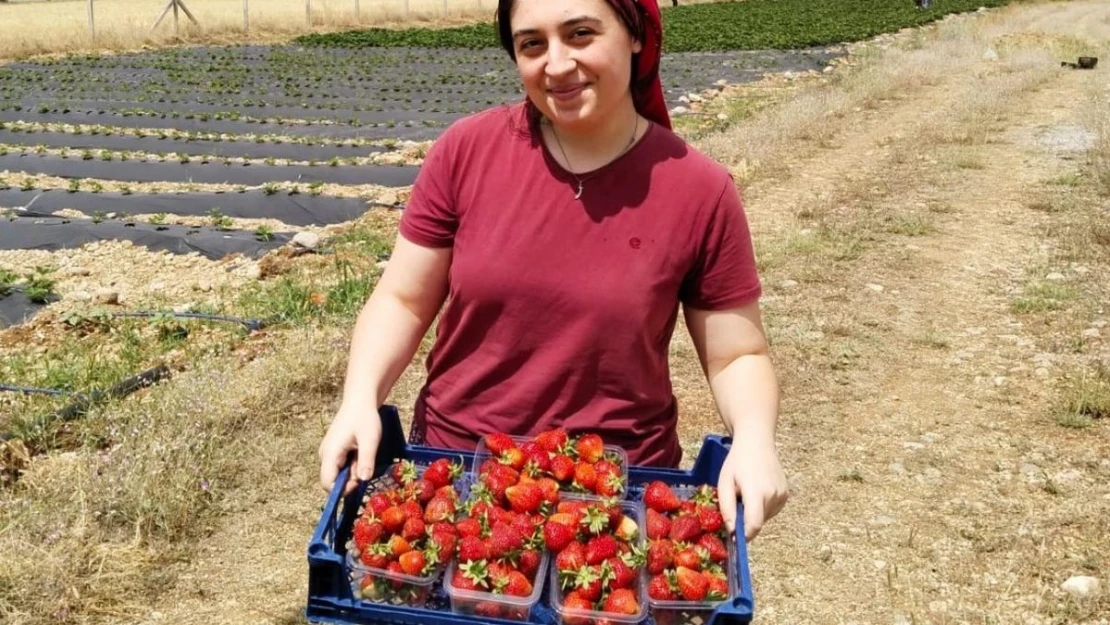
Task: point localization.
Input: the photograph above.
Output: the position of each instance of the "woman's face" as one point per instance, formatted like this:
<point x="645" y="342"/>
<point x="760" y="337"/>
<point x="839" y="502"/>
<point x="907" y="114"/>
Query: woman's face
<point x="574" y="58"/>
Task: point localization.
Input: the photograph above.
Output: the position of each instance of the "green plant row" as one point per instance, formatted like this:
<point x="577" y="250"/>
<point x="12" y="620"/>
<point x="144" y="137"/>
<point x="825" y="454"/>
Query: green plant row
<point x="750" y="25"/>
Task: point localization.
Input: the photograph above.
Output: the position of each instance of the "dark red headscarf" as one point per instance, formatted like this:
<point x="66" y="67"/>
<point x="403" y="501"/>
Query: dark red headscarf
<point x="642" y="19"/>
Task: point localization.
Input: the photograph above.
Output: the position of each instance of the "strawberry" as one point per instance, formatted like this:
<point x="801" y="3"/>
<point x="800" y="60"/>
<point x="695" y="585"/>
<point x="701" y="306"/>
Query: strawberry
<point x="685" y="529"/>
<point x="530" y="562"/>
<point x="514" y="458"/>
<point x="558" y="535"/>
<point x="622" y="601"/>
<point x="463" y="582"/>
<point x="374" y="559"/>
<point x="659" y="588"/>
<point x="413" y="529"/>
<point x="517" y="585"/>
<point x="412" y="509"/>
<point x="367" y="532"/>
<point x="489" y="609"/>
<point x="440" y="509"/>
<point x="610" y="483"/>
<point x="623" y="576"/>
<point x="403" y="472"/>
<point x="477" y="572"/>
<point x="442" y="472"/>
<point x="398" y="545"/>
<point x="497" y="443"/>
<point x="528" y="528"/>
<point x="688" y="558"/>
<point x="585" y="475"/>
<point x="714" y="546"/>
<point x="442" y="526"/>
<point x="718" y="588"/>
<point x="562" y="468"/>
<point x="378" y="503"/>
<point x="413" y="563"/>
<point x="472" y="549"/>
<point x="600" y="548"/>
<point x="549" y="489"/>
<point x="688" y="508"/>
<point x="575" y="601"/>
<point x="552" y="440"/>
<point x="588" y="581"/>
<point x="660" y="556"/>
<point x="444" y="545"/>
<point x="710" y="519"/>
<point x="658" y="496"/>
<point x="590" y="448"/>
<point x="692" y="585"/>
<point x="468" y="527"/>
<point x="393" y="518"/>
<point x="421" y="490"/>
<point x="504" y="539"/>
<point x="524" y="497"/>
<point x="571" y="558"/>
<point x="658" y="525"/>
<point x="395" y="569"/>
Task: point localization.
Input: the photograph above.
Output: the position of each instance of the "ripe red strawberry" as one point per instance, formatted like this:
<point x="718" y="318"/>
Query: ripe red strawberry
<point x="658" y="525"/>
<point x="549" y="489"/>
<point x="590" y="448"/>
<point x="378" y="503"/>
<point x="374" y="559"/>
<point x="524" y="498"/>
<point x="660" y="556"/>
<point x="609" y="483"/>
<point x="366" y="532"/>
<point x="530" y="562"/>
<point x="469" y="526"/>
<point x="710" y="519"/>
<point x="412" y="509"/>
<point x="585" y="475"/>
<point x="489" y="609"/>
<point x="462" y="581"/>
<point x="688" y="508"/>
<point x="600" y="549"/>
<point x="715" y="546"/>
<point x="413" y="529"/>
<point x="692" y="585"/>
<point x="396" y="569"/>
<point x="623" y="576"/>
<point x="413" y="563"/>
<point x="393" y="518"/>
<point x="442" y="472"/>
<point x="659" y="588"/>
<point x="718" y="588"/>
<point x="588" y="582"/>
<point x="442" y="526"/>
<point x="557" y="535"/>
<point x="622" y="601"/>
<point x="504" y="539"/>
<point x="526" y="526"/>
<point x="497" y="443"/>
<point x="685" y="529"/>
<point x="398" y="545"/>
<point x="514" y="458"/>
<point x="517" y="585"/>
<point x="575" y="601"/>
<point x="552" y="440"/>
<point x="472" y="549"/>
<point x="688" y="558"/>
<point x="659" y="497"/>
<point x="403" y="472"/>
<point x="571" y="558"/>
<point x="440" y="510"/>
<point x="420" y="490"/>
<point x="562" y="468"/>
<point x="443" y="543"/>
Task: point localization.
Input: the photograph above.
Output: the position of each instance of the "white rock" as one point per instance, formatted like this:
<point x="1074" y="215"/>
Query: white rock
<point x="684" y="99"/>
<point x="183" y="308"/>
<point x="253" y="272"/>
<point x="788" y="284"/>
<point x="382" y="264"/>
<point x="879" y="564"/>
<point x="882" y="520"/>
<point x="156" y="287"/>
<point x="77" y="296"/>
<point x="679" y="110"/>
<point x="307" y="240"/>
<point x="722" y="116"/>
<point x="1029" y="469"/>
<point x="1101" y="323"/>
<point x="1081" y="586"/>
<point x="721" y="83"/>
<point x="1041" y="372"/>
<point x="76" y="271"/>
<point x="990" y="55"/>
<point x="829" y="69"/>
<point x="106" y="296"/>
<point x="1055" y="276"/>
<point x="878" y="288"/>
<point x="913" y="446"/>
<point x="1091" y="333"/>
<point x="695" y="97"/>
<point x="932" y="473"/>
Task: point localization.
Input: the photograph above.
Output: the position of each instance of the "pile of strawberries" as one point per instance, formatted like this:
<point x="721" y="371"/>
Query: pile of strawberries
<point x="408" y="529"/>
<point x="687" y="556"/>
<point x="597" y="557"/>
<point x="579" y="464"/>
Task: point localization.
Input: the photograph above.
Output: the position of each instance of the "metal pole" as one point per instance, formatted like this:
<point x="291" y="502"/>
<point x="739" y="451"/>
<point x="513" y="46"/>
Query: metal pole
<point x="246" y="16"/>
<point x="92" y="22"/>
<point x="444" y="8"/>
<point x="406" y="8"/>
<point x="308" y="12"/>
<point x="175" y="17"/>
<point x="356" y="10"/>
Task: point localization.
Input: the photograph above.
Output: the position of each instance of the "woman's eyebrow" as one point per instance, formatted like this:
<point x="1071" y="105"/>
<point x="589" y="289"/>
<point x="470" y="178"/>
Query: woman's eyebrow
<point x="574" y="21"/>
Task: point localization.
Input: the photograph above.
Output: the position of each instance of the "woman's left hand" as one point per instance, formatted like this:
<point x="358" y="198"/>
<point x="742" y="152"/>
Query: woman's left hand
<point x="755" y="473"/>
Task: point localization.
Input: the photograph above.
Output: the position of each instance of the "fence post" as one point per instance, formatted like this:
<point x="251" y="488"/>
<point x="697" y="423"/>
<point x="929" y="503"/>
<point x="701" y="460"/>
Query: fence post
<point x="308" y="12"/>
<point x="444" y="8"/>
<point x="356" y="11"/>
<point x="406" y="8"/>
<point x="92" y="22"/>
<point x="246" y="16"/>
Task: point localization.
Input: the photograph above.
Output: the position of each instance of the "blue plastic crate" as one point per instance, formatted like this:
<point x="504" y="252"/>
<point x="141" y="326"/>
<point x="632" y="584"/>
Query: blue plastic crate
<point x="329" y="593"/>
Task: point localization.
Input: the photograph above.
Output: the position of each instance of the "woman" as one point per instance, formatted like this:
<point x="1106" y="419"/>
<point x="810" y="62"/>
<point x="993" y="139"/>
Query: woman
<point x="563" y="233"/>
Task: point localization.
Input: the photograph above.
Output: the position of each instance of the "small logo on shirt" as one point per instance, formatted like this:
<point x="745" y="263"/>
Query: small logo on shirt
<point x="634" y="243"/>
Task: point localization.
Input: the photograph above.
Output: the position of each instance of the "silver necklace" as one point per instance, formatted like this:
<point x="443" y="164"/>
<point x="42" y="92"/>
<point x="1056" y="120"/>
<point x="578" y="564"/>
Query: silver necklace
<point x="580" y="179"/>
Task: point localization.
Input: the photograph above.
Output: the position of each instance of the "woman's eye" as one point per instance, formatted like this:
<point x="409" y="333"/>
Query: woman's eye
<point x="582" y="32"/>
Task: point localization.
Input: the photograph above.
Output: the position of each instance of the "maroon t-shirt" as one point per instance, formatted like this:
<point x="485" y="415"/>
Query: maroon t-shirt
<point x="561" y="311"/>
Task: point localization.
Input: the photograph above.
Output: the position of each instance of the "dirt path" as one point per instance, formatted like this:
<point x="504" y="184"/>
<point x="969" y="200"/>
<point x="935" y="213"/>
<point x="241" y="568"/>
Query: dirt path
<point x="930" y="486"/>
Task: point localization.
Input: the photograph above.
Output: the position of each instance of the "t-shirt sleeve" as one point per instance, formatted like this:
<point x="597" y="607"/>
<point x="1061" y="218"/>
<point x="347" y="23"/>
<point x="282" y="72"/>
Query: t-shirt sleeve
<point x="431" y="216"/>
<point x="724" y="273"/>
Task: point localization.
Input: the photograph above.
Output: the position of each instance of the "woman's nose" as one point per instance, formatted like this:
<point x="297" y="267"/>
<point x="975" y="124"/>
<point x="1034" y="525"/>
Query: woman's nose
<point x="560" y="60"/>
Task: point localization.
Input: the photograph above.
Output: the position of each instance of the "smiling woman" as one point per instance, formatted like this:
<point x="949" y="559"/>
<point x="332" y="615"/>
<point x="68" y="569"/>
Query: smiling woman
<point x="560" y="236"/>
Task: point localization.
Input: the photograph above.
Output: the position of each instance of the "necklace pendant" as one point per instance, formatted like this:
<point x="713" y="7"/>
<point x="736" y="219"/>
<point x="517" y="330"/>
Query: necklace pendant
<point x="579" y="194"/>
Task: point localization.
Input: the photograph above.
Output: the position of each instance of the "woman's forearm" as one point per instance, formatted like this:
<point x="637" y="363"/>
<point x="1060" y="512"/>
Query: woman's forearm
<point x="746" y="392"/>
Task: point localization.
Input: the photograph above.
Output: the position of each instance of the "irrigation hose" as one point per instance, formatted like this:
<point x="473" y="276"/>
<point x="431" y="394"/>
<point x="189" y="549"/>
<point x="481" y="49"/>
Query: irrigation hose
<point x="252" y="325"/>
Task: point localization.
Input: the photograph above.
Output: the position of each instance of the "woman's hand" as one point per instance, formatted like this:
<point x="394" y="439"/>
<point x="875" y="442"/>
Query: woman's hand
<point x="355" y="427"/>
<point x="754" y="472"/>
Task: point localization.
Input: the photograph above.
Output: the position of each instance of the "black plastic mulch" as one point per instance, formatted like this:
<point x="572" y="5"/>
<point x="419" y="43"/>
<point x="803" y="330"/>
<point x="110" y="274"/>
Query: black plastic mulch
<point x="16" y="308"/>
<point x="154" y="145"/>
<point x="214" y="172"/>
<point x="53" y="233"/>
<point x="301" y="209"/>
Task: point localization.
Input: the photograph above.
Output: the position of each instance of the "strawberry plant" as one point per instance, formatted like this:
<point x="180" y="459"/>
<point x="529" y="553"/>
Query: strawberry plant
<point x="405" y="533"/>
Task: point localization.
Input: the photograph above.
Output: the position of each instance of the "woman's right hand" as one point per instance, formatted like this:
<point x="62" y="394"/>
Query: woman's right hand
<point x="356" y="427"/>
